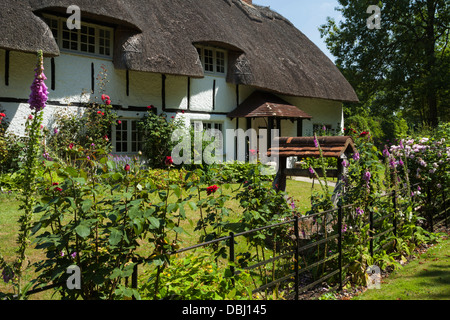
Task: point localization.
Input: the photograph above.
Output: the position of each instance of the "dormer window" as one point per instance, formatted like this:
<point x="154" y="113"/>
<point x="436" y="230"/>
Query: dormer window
<point x="213" y="59"/>
<point x="90" y="39"/>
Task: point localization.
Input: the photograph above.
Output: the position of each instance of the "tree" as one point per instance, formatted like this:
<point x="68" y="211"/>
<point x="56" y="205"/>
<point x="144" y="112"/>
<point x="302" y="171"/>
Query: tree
<point x="404" y="66"/>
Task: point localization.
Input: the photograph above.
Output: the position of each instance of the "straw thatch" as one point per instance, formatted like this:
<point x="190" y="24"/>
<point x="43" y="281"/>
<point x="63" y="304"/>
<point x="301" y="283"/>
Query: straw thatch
<point x="265" y="50"/>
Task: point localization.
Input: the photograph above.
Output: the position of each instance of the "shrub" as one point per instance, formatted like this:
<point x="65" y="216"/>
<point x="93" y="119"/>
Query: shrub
<point x="156" y="132"/>
<point x="90" y="132"/>
<point x="197" y="276"/>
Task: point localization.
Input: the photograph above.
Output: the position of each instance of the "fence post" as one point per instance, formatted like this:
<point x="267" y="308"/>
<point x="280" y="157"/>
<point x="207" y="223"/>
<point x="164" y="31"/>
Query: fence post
<point x="444" y="197"/>
<point x="134" y="276"/>
<point x="340" y="244"/>
<point x="232" y="256"/>
<point x="394" y="202"/>
<point x="430" y="209"/>
<point x="371" y="232"/>
<point x="297" y="238"/>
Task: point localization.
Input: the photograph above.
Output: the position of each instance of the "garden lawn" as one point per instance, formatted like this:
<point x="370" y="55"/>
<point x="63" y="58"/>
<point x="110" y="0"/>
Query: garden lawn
<point x="425" y="278"/>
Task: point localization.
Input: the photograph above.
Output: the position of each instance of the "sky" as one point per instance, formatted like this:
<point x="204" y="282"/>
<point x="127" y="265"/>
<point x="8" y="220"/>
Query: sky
<point x="306" y="15"/>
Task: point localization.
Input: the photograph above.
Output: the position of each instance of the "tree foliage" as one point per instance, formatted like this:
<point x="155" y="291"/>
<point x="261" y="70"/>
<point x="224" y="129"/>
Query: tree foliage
<point x="403" y="67"/>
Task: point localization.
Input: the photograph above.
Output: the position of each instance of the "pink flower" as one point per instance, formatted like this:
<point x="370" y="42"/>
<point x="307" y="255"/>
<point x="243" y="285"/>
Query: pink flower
<point x="71" y="146"/>
<point x="39" y="91"/>
<point x="30" y="117"/>
<point x="108" y="102"/>
<point x="359" y="211"/>
<point x="119" y="122"/>
<point x="105" y="97"/>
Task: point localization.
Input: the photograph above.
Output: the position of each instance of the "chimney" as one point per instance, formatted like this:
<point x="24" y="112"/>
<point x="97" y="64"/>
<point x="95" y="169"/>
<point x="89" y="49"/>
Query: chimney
<point x="249" y="2"/>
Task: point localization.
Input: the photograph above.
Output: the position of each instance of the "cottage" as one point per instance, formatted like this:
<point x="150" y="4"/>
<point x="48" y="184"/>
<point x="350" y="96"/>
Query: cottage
<point x="227" y="64"/>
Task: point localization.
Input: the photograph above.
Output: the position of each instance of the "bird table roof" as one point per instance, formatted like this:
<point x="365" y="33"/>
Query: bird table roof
<point x="304" y="147"/>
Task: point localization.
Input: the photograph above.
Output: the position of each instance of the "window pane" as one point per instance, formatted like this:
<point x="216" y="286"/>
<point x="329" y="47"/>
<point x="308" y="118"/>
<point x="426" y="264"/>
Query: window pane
<point x="209" y="60"/>
<point x="220" y="62"/>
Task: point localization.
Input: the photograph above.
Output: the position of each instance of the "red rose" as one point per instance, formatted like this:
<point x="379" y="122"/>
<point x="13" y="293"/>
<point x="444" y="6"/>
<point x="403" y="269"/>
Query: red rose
<point x="108" y="102"/>
<point x="211" y="189"/>
<point x="364" y="133"/>
<point x="71" y="146"/>
<point x="127" y="167"/>
<point x="168" y="161"/>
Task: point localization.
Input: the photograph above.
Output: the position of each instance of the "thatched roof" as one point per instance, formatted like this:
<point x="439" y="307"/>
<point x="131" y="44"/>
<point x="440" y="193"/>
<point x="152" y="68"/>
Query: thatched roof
<point x="265" y="50"/>
<point x="304" y="147"/>
<point x="264" y="104"/>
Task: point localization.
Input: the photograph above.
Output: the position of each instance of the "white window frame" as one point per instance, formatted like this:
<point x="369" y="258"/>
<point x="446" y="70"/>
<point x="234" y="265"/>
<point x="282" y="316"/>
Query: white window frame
<point x="215" y="60"/>
<point x="130" y="142"/>
<point x="59" y="37"/>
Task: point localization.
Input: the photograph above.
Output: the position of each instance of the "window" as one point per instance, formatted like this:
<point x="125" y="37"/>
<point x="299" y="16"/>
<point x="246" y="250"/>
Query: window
<point x="212" y="59"/>
<point x="126" y="137"/>
<point x="89" y="39"/>
<point x="203" y="125"/>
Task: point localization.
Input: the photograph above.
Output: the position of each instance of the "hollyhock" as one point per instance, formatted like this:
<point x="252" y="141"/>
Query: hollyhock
<point x="39" y="91"/>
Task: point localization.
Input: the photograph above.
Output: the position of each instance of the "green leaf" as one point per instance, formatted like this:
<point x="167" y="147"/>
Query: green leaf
<point x="72" y="172"/>
<point x="86" y="205"/>
<point x="83" y="230"/>
<point x="193" y="205"/>
<point x="115" y="237"/>
<point x="154" y="222"/>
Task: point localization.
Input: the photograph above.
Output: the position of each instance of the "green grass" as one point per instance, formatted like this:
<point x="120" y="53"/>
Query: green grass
<point x="425" y="278"/>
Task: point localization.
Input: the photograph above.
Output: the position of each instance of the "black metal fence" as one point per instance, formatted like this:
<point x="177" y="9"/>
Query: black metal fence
<point x="310" y="263"/>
